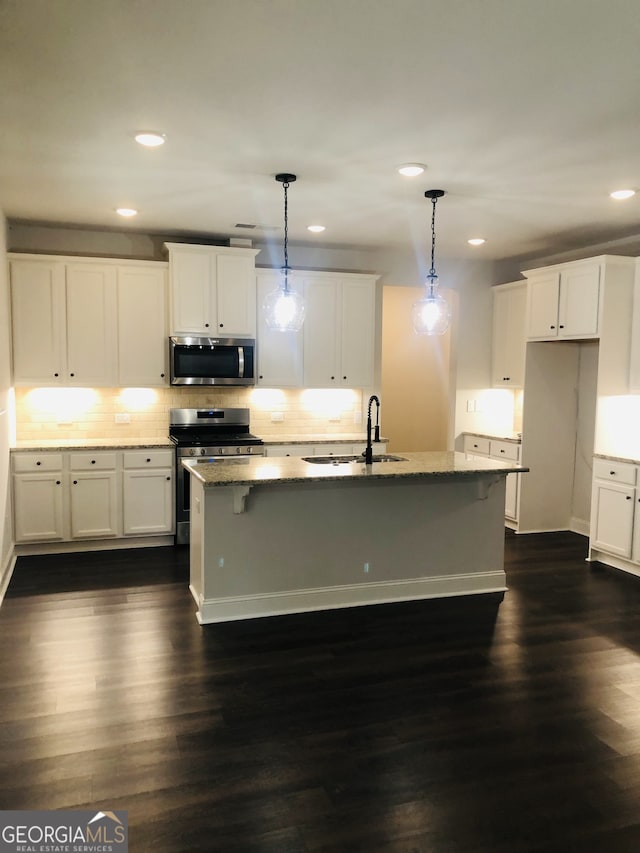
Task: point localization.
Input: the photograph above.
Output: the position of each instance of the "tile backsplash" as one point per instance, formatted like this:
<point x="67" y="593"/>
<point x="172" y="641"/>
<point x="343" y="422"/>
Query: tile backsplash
<point x="131" y="413"/>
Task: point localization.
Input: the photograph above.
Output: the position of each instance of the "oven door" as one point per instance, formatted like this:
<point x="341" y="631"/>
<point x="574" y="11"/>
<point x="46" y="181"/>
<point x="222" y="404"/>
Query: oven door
<point x="212" y="361"/>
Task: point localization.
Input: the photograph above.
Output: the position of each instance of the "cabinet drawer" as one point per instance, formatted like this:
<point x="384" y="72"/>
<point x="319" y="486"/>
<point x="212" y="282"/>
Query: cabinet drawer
<point x="148" y="459"/>
<point x="618" y="472"/>
<point x="505" y="450"/>
<point x="100" y="461"/>
<point x="33" y="462"/>
<point x="476" y="444"/>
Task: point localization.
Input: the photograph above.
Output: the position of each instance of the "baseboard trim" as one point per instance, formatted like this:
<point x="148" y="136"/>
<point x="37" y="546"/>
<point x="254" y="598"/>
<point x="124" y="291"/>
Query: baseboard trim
<point x="6" y="572"/>
<point x="356" y="595"/>
<point x="614" y="562"/>
<point x="32" y="549"/>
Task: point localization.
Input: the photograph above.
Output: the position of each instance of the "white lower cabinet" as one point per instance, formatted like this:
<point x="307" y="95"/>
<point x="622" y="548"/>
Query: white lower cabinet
<point x="147" y="492"/>
<point x="615" y="510"/>
<point x="505" y="451"/>
<point x="38" y="500"/>
<point x="83" y="495"/>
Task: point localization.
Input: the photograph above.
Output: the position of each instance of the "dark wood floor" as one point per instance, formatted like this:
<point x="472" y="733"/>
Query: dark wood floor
<point x="448" y="726"/>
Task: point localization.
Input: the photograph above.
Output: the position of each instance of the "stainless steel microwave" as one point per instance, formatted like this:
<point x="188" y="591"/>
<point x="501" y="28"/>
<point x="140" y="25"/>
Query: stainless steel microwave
<point x="212" y="361"/>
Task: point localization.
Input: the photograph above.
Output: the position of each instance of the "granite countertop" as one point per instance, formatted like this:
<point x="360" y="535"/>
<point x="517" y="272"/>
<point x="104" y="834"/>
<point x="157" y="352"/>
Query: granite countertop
<point x="252" y="471"/>
<point x="607" y="456"/>
<point x="91" y="444"/>
<point x="514" y="437"/>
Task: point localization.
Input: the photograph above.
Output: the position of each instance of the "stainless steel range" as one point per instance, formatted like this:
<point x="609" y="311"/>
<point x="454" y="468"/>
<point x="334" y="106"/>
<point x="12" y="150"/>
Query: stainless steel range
<point x="206" y="435"/>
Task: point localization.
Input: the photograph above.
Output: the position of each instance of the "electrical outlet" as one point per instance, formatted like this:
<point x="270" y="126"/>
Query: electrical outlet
<point x="471" y="405"/>
<point x="123" y="418"/>
<point x="366" y="568"/>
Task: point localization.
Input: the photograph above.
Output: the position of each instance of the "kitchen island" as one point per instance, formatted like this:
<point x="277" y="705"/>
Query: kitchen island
<point x="272" y="536"/>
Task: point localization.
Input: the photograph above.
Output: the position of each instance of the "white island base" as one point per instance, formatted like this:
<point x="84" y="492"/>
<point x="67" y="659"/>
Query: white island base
<point x="289" y="547"/>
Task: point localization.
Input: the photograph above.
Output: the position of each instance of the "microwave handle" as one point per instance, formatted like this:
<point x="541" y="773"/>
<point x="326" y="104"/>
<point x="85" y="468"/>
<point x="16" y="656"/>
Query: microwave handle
<point x="240" y="362"/>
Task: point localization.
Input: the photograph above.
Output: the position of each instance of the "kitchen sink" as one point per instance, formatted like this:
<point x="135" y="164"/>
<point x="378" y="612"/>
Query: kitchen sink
<point x="338" y="460"/>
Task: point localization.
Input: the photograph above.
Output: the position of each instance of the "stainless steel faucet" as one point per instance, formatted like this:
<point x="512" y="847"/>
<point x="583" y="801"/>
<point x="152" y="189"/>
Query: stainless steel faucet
<point x="368" y="453"/>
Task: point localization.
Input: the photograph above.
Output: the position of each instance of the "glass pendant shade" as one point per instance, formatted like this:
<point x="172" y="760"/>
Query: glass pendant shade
<point x="284" y="308"/>
<point x="431" y="315"/>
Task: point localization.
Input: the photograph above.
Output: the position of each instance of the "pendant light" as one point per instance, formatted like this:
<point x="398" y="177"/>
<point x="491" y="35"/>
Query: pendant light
<point x="431" y="315"/>
<point x="284" y="308"/>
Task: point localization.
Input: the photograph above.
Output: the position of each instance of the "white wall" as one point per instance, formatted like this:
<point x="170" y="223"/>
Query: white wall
<point x="6" y="415"/>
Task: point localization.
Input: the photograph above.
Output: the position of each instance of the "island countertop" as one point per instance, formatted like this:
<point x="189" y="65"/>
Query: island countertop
<point x="253" y="471"/>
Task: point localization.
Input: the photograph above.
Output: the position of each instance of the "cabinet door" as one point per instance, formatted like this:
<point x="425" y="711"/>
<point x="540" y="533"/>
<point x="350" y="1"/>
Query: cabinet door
<point x="579" y="301"/>
<point x="612" y="518"/>
<point x="508" y="344"/>
<point x="543" y="293"/>
<point x="357" y="334"/>
<point x="38" y="507"/>
<point x="94" y="505"/>
<point x="279" y="354"/>
<point x="142" y="326"/>
<point x="236" y="295"/>
<point x="511" y="497"/>
<point x="147" y="501"/>
<point x="192" y="276"/>
<point x="38" y="316"/>
<point x="91" y="324"/>
<point x="322" y="334"/>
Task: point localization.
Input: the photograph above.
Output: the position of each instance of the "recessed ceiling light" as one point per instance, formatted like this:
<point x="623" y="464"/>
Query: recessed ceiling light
<point x="126" y="211"/>
<point x="150" y="139"/>
<point x="315" y="228"/>
<point x="476" y="241"/>
<point x="621" y="194"/>
<point x="411" y="170"/>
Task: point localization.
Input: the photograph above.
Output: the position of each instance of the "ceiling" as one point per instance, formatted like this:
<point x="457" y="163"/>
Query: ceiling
<point x="527" y="112"/>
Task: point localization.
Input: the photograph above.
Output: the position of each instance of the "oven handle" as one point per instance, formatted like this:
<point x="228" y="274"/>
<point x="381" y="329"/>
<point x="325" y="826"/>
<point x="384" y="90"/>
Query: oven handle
<point x="240" y="362"/>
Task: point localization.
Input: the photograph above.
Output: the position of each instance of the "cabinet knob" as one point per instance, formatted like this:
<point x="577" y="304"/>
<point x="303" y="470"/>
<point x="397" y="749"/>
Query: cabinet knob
<point x="222" y="325"/>
<point x="75" y="482"/>
<point x="148" y="460"/>
<point x="344" y="377"/>
<point x="38" y="463"/>
<point x="561" y="326"/>
<point x="506" y="378"/>
<point x="162" y="375"/>
<point x="93" y="461"/>
<point x="612" y="473"/>
<point x="261" y="376"/>
<point x="501" y="451"/>
<point x="57" y="482"/>
<point x="628" y="497"/>
<point x="168" y="478"/>
<point x="206" y="325"/>
<point x="333" y="377"/>
<point x="56" y="374"/>
<point x="552" y="327"/>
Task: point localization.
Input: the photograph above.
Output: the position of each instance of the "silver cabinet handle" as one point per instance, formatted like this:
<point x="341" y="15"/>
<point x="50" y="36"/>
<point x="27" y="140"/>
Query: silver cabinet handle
<point x="241" y="362"/>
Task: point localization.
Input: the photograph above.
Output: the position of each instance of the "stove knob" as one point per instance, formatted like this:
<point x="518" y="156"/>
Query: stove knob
<point x="192" y="451"/>
<point x="203" y="451"/>
<point x="220" y="451"/>
<point x="249" y="449"/>
<point x="238" y="450"/>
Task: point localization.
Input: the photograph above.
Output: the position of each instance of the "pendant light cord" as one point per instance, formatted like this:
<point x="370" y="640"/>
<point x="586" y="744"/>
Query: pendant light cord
<point x="432" y="271"/>
<point x="286" y="239"/>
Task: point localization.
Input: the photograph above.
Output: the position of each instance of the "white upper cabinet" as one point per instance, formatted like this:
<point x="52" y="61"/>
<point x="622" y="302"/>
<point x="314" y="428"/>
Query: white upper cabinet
<point x="279" y="354"/>
<point x="339" y="330"/>
<point x="213" y="290"/>
<point x="64" y="321"/>
<point x="142" y="326"/>
<point x="508" y="350"/>
<point x="39" y="321"/>
<point x="564" y="302"/>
